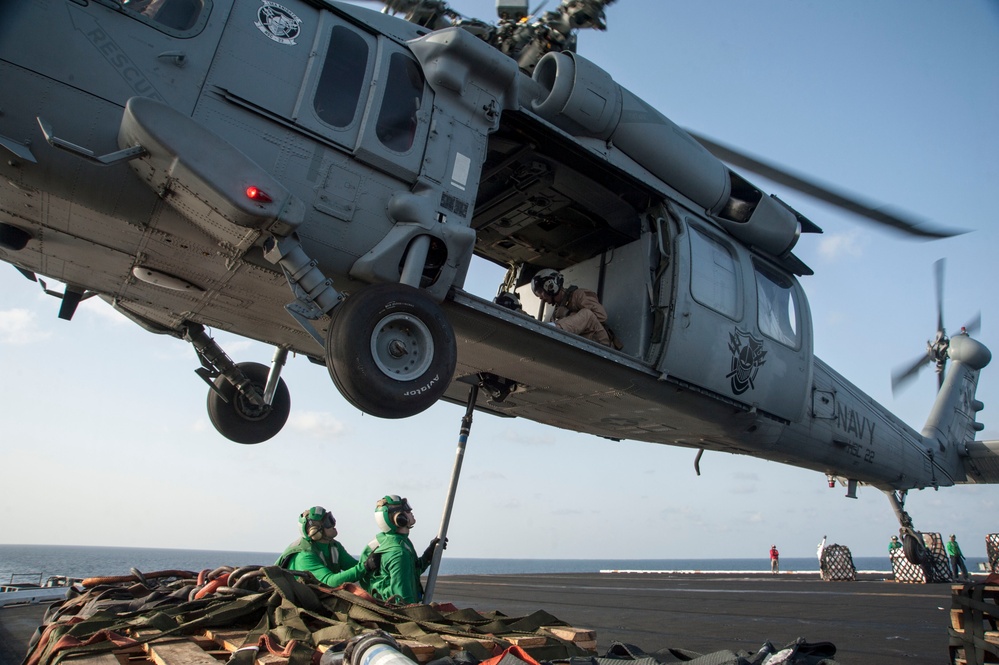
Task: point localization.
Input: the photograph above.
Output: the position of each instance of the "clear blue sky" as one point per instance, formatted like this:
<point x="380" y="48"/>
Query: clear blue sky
<point x="106" y="440"/>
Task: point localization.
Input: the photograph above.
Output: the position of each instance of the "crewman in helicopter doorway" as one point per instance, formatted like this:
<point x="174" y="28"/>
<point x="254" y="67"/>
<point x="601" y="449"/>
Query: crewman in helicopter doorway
<point x="577" y="310"/>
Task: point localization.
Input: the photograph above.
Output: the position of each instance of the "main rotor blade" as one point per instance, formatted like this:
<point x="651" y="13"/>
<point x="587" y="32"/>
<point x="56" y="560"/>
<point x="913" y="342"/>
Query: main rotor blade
<point x="938" y="277"/>
<point x="844" y="201"/>
<point x="901" y="377"/>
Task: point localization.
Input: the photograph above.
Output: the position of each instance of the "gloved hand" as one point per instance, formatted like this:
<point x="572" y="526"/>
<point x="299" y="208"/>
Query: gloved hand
<point x="428" y="555"/>
<point x="373" y="562"/>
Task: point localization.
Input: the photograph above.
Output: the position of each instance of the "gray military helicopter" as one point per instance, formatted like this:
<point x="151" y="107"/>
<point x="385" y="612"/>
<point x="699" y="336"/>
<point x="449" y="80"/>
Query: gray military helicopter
<point x="318" y="176"/>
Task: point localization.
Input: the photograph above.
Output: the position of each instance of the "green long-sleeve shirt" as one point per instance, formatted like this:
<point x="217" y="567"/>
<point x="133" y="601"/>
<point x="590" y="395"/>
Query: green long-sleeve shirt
<point x="398" y="578"/>
<point x="328" y="562"/>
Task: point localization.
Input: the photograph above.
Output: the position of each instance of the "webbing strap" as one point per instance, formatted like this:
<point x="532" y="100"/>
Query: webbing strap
<point x="291" y="613"/>
<point x="969" y="600"/>
<point x="392" y="616"/>
<point x="717" y="658"/>
<point x="103" y="630"/>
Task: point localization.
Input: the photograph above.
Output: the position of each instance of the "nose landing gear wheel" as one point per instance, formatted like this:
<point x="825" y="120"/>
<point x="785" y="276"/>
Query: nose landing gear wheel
<point x="390" y="351"/>
<point x="238" y="419"/>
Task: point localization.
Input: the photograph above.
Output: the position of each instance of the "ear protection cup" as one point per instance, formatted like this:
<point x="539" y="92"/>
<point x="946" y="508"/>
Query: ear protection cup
<point x="315" y="520"/>
<point x="401" y="520"/>
<point x="392" y="512"/>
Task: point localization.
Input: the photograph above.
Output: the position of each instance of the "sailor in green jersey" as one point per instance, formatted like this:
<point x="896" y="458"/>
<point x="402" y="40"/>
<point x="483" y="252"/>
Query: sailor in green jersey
<point x="956" y="558"/>
<point x="319" y="553"/>
<point x="398" y="578"/>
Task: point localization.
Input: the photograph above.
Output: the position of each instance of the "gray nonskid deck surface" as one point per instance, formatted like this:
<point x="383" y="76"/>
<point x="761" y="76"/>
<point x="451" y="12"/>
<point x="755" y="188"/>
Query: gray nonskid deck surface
<point x="17" y="625"/>
<point x="869" y="621"/>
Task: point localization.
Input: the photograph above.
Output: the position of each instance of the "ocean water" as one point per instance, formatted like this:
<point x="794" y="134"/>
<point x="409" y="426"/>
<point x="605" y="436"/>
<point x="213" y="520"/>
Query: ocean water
<point x="77" y="561"/>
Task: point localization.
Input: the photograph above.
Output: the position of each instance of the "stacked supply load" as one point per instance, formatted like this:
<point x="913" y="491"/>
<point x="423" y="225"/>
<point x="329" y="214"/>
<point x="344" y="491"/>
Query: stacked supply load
<point x="269" y="616"/>
<point x="836" y="564"/>
<point x="992" y="547"/>
<point x="935" y="566"/>
<point x="973" y="619"/>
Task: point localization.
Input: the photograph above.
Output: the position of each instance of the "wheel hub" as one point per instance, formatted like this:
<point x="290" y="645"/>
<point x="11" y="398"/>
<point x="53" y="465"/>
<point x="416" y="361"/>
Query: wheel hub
<point x="247" y="409"/>
<point x="402" y="346"/>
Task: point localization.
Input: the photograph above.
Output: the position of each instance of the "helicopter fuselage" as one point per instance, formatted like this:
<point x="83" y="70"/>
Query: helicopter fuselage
<point x="164" y="161"/>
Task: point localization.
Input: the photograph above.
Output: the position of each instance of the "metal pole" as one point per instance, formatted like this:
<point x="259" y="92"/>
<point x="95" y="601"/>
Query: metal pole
<point x="459" y="456"/>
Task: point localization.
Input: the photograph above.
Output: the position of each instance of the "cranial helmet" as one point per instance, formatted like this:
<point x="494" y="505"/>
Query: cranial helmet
<point x="392" y="513"/>
<point x="547" y="281"/>
<point x="314" y="521"/>
<point x="510" y="300"/>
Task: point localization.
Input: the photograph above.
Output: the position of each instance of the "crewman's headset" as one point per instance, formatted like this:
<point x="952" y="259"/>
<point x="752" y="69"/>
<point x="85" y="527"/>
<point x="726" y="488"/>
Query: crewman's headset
<point x="547" y="281"/>
<point x="316" y="517"/>
<point x="393" y="512"/>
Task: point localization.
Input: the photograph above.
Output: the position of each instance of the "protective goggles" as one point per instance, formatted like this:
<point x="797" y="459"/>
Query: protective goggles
<point x="394" y="505"/>
<point x="327" y="521"/>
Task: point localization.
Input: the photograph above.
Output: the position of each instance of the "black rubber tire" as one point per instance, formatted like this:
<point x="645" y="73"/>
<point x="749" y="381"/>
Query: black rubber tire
<point x="237" y="419"/>
<point x="915" y="551"/>
<point x="384" y="384"/>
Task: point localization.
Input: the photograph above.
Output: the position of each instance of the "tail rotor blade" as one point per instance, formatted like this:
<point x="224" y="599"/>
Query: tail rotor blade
<point x="974" y="325"/>
<point x="901" y="377"/>
<point x="938" y="273"/>
<point x="937" y="349"/>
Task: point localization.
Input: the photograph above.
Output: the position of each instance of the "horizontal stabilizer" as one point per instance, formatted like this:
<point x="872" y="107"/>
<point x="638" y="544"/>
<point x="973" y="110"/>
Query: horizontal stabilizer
<point x="982" y="462"/>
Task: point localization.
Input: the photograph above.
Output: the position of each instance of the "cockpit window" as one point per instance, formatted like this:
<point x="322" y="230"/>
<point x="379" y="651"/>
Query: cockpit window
<point x="175" y="14"/>
<point x="340" y="83"/>
<point x="778" y="307"/>
<point x="397" y="120"/>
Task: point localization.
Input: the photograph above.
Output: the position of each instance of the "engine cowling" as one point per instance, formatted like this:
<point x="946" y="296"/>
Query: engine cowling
<point x="584" y="100"/>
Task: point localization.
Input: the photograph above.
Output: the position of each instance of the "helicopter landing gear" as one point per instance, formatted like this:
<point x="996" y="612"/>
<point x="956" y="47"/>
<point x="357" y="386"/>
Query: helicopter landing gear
<point x="248" y="402"/>
<point x="390" y="351"/>
<point x="915" y="550"/>
<point x="240" y="418"/>
<point x="912" y="540"/>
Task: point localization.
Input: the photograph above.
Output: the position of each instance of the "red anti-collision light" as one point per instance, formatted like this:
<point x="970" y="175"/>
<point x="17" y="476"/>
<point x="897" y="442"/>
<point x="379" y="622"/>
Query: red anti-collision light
<point x="257" y="194"/>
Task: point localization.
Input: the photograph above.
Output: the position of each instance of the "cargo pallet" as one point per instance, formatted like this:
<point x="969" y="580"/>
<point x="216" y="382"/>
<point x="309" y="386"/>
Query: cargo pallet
<point x="935" y="568"/>
<point x="271" y="616"/>
<point x="974" y="635"/>
<point x="213" y="647"/>
<point x="992" y="548"/>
